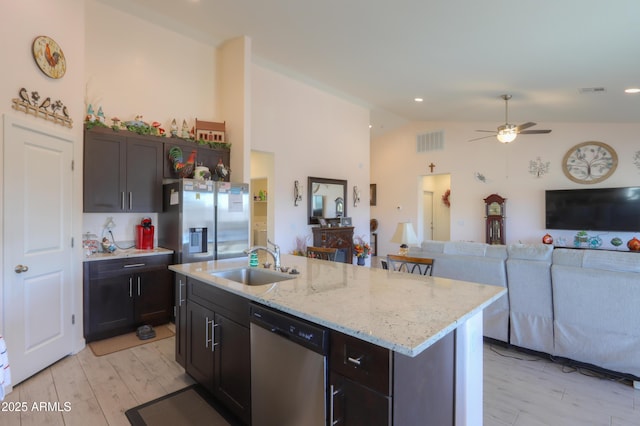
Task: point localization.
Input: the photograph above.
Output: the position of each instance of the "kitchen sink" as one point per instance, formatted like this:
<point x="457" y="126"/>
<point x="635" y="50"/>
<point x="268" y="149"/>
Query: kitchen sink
<point x="252" y="276"/>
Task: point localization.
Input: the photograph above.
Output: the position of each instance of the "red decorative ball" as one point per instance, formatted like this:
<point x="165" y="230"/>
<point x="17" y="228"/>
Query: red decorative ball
<point x="634" y="244"/>
<point x="547" y="239"/>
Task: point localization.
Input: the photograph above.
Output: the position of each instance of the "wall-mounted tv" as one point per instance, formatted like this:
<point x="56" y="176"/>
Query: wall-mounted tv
<point x="600" y="209"/>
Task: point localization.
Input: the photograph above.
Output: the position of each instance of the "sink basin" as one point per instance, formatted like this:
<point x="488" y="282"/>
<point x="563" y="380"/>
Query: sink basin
<point x="252" y="276"/>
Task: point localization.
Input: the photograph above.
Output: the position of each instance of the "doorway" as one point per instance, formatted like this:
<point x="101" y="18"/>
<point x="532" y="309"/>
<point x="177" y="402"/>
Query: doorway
<point x="259" y="211"/>
<point x="262" y="210"/>
<point x="436" y="214"/>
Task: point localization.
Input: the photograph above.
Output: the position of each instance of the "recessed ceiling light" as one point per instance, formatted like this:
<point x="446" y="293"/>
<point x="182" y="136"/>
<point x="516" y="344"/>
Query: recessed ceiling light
<point x="418" y="99"/>
<point x="632" y="90"/>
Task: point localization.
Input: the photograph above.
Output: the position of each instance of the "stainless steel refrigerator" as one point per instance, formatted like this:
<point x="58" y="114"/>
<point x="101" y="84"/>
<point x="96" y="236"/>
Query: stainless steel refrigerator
<point x="204" y="220"/>
<point x="231" y="204"/>
<point x="186" y="224"/>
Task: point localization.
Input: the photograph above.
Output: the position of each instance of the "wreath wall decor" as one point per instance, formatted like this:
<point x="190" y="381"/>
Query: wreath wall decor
<point x="445" y="198"/>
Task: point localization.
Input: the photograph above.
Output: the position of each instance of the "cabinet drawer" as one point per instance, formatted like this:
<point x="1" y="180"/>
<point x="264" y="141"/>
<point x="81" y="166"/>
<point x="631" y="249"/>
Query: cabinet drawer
<point x="105" y="268"/>
<point x="363" y="362"/>
<point x="228" y="304"/>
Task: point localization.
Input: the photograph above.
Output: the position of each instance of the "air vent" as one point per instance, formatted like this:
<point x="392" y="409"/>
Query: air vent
<point x="433" y="141"/>
<point x="592" y="90"/>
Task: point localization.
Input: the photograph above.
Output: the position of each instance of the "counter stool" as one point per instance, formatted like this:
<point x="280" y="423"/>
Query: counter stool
<point x="412" y="265"/>
<point x="324" y="253"/>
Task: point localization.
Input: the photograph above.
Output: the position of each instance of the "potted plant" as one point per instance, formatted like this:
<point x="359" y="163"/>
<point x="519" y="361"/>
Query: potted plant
<point x="361" y="250"/>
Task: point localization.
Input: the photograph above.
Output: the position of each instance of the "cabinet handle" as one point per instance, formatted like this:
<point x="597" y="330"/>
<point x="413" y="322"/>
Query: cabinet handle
<point x="213" y="333"/>
<point x="130" y="287"/>
<point x="206" y="332"/>
<point x="356" y="361"/>
<point x="333" y="392"/>
<point x="138" y="286"/>
<point x="130" y="200"/>
<point x="180" y="300"/>
<point x="134" y="265"/>
<point x="213" y="336"/>
<point x="122" y="201"/>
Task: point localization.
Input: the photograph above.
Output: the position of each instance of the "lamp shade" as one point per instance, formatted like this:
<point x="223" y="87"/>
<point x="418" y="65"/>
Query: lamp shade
<point x="404" y="235"/>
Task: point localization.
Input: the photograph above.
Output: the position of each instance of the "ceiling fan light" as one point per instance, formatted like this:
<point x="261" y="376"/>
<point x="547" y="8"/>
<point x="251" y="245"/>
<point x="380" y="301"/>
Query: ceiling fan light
<point x="506" y="135"/>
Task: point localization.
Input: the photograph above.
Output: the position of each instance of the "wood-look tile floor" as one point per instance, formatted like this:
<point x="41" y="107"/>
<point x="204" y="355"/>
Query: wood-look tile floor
<point x="519" y="389"/>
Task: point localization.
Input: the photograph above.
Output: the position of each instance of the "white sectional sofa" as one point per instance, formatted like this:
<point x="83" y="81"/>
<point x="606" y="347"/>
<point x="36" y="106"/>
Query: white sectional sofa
<point x="583" y="305"/>
<point x="596" y="305"/>
<point x="530" y="296"/>
<point x="476" y="262"/>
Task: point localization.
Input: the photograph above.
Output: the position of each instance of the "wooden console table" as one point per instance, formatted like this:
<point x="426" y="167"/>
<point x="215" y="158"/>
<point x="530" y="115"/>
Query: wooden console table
<point x="340" y="237"/>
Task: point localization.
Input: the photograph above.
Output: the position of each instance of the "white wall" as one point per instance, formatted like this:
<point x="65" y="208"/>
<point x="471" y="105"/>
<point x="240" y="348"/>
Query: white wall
<point x="395" y="166"/>
<point x="137" y="67"/>
<point x="20" y="23"/>
<point x="311" y="133"/>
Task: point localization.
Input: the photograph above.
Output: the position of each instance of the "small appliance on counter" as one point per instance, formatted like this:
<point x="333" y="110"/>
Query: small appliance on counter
<point x="144" y="234"/>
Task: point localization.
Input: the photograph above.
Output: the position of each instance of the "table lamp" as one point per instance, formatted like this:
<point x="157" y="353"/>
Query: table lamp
<point x="404" y="236"/>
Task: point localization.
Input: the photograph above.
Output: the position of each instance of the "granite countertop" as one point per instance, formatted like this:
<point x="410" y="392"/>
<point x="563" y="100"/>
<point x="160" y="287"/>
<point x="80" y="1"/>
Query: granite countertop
<point x="402" y="312"/>
<point x="125" y="253"/>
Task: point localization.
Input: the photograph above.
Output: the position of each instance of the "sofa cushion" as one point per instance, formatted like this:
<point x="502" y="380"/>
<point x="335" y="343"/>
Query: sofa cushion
<point x="465" y="248"/>
<point x="432" y="246"/>
<point x="611" y="261"/>
<point x="530" y="251"/>
<point x="567" y="257"/>
<point x="496" y="251"/>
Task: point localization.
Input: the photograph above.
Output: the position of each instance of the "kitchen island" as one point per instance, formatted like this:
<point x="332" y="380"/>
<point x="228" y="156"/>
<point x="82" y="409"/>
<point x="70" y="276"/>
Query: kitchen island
<point x="404" y="314"/>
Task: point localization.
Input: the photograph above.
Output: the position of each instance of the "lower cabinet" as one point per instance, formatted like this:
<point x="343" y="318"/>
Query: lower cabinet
<point x="370" y="385"/>
<point x="122" y="294"/>
<point x="218" y="345"/>
<point x="351" y="403"/>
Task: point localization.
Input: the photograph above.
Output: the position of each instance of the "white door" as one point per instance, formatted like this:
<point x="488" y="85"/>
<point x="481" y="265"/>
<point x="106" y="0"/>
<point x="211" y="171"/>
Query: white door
<point x="427" y="219"/>
<point x="37" y="276"/>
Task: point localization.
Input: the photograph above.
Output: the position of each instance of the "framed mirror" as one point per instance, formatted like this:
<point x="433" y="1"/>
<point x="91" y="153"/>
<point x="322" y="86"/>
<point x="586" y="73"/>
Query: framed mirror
<point x="327" y="198"/>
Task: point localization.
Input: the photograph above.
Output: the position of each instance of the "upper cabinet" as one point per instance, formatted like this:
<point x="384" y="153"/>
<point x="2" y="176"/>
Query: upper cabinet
<point x="122" y="172"/>
<point x="205" y="156"/>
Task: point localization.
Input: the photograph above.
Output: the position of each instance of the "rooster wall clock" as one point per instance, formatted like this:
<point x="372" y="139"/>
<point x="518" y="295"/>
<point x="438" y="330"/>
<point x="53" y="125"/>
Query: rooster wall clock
<point x="49" y="57"/>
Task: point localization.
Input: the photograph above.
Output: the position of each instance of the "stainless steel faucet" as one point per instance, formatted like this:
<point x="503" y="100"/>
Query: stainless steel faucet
<point x="275" y="253"/>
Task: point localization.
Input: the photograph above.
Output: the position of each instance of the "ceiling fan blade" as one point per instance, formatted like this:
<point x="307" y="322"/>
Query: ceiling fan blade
<point x="490" y="131"/>
<point x="525" y="126"/>
<point x="534" y="132"/>
<point x="484" y="137"/>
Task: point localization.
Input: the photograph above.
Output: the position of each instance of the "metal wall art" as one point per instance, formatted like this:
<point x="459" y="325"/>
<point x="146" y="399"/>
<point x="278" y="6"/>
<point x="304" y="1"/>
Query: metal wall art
<point x="538" y="168"/>
<point x="47" y="109"/>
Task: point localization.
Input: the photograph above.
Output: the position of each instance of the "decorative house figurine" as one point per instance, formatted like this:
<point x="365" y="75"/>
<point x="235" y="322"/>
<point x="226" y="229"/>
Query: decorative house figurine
<point x="210" y="131"/>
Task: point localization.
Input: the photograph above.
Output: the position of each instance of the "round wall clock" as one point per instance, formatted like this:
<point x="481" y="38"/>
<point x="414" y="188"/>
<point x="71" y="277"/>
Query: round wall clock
<point x="590" y="162"/>
<point x="49" y="57"/>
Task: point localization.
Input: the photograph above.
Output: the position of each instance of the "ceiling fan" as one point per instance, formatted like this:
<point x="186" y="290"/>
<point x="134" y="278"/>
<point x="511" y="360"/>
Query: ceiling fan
<point x="508" y="132"/>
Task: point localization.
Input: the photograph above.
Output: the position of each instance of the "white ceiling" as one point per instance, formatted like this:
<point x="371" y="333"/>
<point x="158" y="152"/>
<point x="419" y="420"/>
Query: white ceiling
<point x="459" y="55"/>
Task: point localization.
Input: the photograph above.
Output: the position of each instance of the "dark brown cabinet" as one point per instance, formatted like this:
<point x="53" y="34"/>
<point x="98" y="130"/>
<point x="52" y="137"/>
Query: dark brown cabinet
<point x="218" y="345"/>
<point x="122" y="294"/>
<point x="205" y="156"/>
<point x="370" y="385"/>
<point x="340" y="237"/>
<point x="122" y="172"/>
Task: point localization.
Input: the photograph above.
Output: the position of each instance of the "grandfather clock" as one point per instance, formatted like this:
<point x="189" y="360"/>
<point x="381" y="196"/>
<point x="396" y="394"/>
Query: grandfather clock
<point x="495" y="219"/>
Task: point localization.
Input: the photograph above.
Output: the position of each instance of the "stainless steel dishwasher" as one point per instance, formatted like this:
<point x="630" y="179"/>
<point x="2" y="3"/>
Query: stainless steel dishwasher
<point x="288" y="370"/>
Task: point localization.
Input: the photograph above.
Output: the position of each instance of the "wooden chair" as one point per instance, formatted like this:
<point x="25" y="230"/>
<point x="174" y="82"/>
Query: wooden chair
<point x="324" y="253"/>
<point x="412" y="265"/>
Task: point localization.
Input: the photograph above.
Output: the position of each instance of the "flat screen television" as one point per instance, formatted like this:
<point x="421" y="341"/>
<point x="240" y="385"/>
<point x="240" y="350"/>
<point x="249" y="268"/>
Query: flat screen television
<point x="600" y="209"/>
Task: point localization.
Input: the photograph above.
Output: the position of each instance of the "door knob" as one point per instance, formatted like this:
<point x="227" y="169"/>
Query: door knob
<point x="21" y="268"/>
